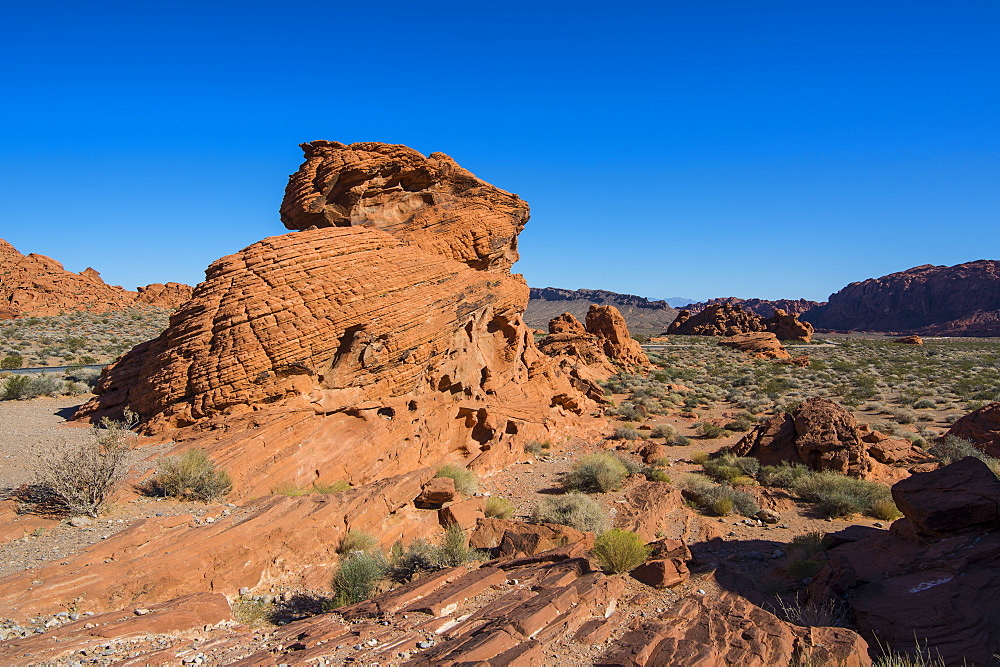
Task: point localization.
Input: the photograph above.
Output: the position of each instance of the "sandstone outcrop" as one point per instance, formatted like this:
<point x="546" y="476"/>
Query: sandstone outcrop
<point x="384" y="337"/>
<point x="589" y="355"/>
<point x="729" y="319"/>
<point x="819" y="434"/>
<point x="729" y="630"/>
<point x="37" y="286"/>
<point x="641" y="314"/>
<point x="932" y="579"/>
<point x="980" y="427"/>
<point x="762" y="307"/>
<point x="931" y="300"/>
<point x="909" y="340"/>
<point x="763" y="345"/>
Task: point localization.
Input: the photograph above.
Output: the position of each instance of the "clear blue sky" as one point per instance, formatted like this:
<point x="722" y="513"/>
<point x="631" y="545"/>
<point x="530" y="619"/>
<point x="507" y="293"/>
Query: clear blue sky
<point x="703" y="148"/>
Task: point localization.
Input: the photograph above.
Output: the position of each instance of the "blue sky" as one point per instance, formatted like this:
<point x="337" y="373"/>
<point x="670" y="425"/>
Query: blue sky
<point x="702" y="148"/>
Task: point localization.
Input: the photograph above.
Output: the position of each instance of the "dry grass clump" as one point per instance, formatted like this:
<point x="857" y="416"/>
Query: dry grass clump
<point x="575" y="510"/>
<point x="728" y="468"/>
<point x="596" y="473"/>
<point x="465" y="480"/>
<point x="190" y="476"/>
<point x="620" y="551"/>
<point x="356" y="540"/>
<point x="719" y="499"/>
<point x="498" y="508"/>
<point x="837" y="495"/>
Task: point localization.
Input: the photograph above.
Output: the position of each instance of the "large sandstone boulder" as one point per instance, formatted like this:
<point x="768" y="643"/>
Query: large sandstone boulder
<point x="981" y="427"/>
<point x="934" y="578"/>
<point x="764" y="345"/>
<point x="819" y="434"/>
<point x="168" y="295"/>
<point x="608" y="325"/>
<point x="384" y="337"/>
<point x="728" y="318"/>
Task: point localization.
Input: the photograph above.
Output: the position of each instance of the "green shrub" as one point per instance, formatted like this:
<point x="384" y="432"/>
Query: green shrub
<point x="711" y="431"/>
<point x="699" y="458"/>
<point x="498" y="508"/>
<point x="885" y="509"/>
<point x="620" y="550"/>
<point x="655" y="474"/>
<point x="574" y="510"/>
<point x="454" y="547"/>
<point x="742" y="423"/>
<point x="11" y="361"/>
<point x="951" y="448"/>
<point x="625" y="433"/>
<point x="16" y="387"/>
<point x="784" y="475"/>
<point x="729" y="467"/>
<point x="356" y="540"/>
<point x="357" y="577"/>
<point x="682" y="441"/>
<point x="800" y="569"/>
<point x="807" y="545"/>
<point x="465" y="480"/>
<point x="190" y="476"/>
<point x="719" y="499"/>
<point x="333" y="487"/>
<point x="665" y="431"/>
<point x="838" y="495"/>
<point x="924" y="403"/>
<point x="601" y="472"/>
<point x="533" y="447"/>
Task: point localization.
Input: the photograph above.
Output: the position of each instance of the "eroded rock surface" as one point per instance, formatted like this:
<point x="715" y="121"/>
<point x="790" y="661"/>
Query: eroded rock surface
<point x="727" y="318"/>
<point x="763" y="345"/>
<point x="981" y="427"/>
<point x="385" y="337"/>
<point x="934" y="578"/>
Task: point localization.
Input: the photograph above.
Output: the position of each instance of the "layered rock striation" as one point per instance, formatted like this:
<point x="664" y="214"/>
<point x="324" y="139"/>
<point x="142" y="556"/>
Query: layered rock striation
<point x="37" y="286"/>
<point x="385" y="336"/>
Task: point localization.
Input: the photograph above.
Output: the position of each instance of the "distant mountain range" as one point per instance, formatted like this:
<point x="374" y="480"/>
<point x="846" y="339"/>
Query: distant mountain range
<point x="960" y="300"/>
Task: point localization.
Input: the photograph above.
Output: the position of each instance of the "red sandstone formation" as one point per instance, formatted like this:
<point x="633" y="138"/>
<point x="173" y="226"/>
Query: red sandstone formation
<point x="641" y="314"/>
<point x="608" y="325"/>
<point x="981" y="427"/>
<point x="764" y="345"/>
<point x="762" y="307"/>
<point x="168" y="295"/>
<point x="933" y="579"/>
<point x="729" y="319"/>
<point x="910" y="340"/>
<point x="938" y="300"/>
<point x="346" y="351"/>
<point x="824" y="436"/>
<point x="36" y="285"/>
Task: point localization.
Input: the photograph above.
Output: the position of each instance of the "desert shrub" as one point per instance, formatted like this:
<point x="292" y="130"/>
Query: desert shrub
<point x="533" y="447"/>
<point x="356" y="578"/>
<point x="295" y="490"/>
<point x="805" y="567"/>
<point x="454" y="547"/>
<point x="252" y="612"/>
<point x="665" y="431"/>
<point x="838" y="495"/>
<point x="45" y="385"/>
<point x="784" y="475"/>
<point x="190" y="476"/>
<point x="711" y="431"/>
<point x="885" y="509"/>
<point x="16" y="387"/>
<point x="80" y="478"/>
<point x="904" y="416"/>
<point x="631" y="412"/>
<point x="574" y="510"/>
<point x="356" y="540"/>
<point x="498" y="508"/>
<point x="11" y="361"/>
<point x="742" y="423"/>
<point x="333" y="487"/>
<point x="813" y="614"/>
<point x="406" y="563"/>
<point x="620" y="550"/>
<point x="654" y="474"/>
<point x="682" y="441"/>
<point x="807" y="545"/>
<point x="594" y="473"/>
<point x="951" y="448"/>
<point x="625" y="433"/>
<point x="76" y="388"/>
<point x="699" y="458"/>
<point x="719" y="499"/>
<point x="729" y="467"/>
<point x="465" y="480"/>
<point x="924" y="403"/>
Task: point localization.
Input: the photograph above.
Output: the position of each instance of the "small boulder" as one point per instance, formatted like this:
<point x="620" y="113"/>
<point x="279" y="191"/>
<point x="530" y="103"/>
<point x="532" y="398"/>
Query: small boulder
<point x="965" y="494"/>
<point x="466" y="513"/>
<point x="662" y="573"/>
<point x="436" y="493"/>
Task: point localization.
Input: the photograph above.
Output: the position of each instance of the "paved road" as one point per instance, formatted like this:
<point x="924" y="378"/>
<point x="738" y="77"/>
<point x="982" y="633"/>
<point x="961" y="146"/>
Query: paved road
<point x="49" y="369"/>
